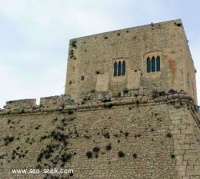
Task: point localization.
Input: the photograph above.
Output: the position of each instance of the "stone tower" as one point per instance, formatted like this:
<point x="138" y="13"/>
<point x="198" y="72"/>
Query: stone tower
<point x="154" y="57"/>
<point x="129" y="112"/>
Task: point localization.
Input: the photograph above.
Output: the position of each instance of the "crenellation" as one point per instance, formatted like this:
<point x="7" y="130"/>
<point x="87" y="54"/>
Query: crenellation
<point x="23" y="103"/>
<point x="48" y="102"/>
<point x="92" y="98"/>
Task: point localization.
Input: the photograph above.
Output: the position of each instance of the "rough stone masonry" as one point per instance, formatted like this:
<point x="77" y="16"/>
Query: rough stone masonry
<point x="129" y="112"/>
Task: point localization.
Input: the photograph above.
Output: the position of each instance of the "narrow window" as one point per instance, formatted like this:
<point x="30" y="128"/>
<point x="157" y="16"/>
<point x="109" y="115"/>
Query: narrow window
<point x="148" y="65"/>
<point x="153" y="63"/>
<point x="158" y="63"/>
<point x="82" y="78"/>
<point x="123" y="68"/>
<point x="115" y="69"/>
<point x="119" y="69"/>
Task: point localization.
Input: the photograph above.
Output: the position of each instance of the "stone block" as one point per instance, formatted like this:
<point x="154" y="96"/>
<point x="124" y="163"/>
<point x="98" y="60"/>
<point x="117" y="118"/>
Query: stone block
<point x="186" y="131"/>
<point x="192" y="159"/>
<point x="193" y="171"/>
<point x="179" y="159"/>
<point x="179" y="152"/>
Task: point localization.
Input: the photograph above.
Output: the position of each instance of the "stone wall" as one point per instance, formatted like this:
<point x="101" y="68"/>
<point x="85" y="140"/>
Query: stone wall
<point x="186" y="143"/>
<point x="129" y="138"/>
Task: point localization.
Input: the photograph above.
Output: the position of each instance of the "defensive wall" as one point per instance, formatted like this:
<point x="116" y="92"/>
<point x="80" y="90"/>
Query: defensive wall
<point x="132" y="136"/>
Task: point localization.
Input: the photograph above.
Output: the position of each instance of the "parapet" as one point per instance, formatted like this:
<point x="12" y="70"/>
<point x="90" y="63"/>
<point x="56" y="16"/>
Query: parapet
<point x="94" y="100"/>
<point x="51" y="102"/>
<point x="22" y="103"/>
<point x="55" y="101"/>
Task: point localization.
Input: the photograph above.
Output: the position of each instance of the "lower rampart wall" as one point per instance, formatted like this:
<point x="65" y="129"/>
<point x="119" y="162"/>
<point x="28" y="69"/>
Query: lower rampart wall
<point x="115" y="139"/>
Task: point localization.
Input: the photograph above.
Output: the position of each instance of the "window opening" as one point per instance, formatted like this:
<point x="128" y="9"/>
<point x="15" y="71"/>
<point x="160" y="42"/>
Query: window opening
<point x="158" y="63"/>
<point x="153" y="63"/>
<point x="148" y="65"/>
<point x="115" y="69"/>
<point x="123" y="68"/>
<point x="119" y="69"/>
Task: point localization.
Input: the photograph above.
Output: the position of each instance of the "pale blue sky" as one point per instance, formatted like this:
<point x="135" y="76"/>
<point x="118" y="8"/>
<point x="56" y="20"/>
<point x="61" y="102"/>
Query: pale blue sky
<point x="34" y="37"/>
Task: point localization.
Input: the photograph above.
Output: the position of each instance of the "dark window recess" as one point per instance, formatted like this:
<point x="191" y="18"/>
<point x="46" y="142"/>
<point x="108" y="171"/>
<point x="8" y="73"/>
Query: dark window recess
<point x="115" y="69"/>
<point x="82" y="78"/>
<point x="123" y="68"/>
<point x="148" y="65"/>
<point x="153" y="63"/>
<point x="119" y="69"/>
<point x="158" y="63"/>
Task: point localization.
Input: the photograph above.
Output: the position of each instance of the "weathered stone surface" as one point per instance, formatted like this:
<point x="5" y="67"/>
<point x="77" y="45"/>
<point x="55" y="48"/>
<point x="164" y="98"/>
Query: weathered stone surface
<point x="149" y="146"/>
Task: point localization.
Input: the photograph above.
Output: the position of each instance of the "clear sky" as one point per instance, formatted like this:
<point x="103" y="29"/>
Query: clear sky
<point x="34" y="37"/>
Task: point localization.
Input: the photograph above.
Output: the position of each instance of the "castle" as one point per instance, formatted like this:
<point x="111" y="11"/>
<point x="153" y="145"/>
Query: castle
<point x="129" y="111"/>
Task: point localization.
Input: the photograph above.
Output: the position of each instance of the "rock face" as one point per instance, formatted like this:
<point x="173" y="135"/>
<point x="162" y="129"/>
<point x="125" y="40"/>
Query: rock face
<point x="143" y="123"/>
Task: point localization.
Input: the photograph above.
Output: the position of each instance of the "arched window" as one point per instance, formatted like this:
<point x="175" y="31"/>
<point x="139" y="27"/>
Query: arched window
<point x="148" y="65"/>
<point x="158" y="63"/>
<point x="119" y="68"/>
<point x="115" y="69"/>
<point x="153" y="63"/>
<point x="123" y="68"/>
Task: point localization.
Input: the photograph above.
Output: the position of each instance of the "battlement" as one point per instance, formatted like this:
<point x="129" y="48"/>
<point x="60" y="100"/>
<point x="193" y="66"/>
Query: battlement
<point x="22" y="103"/>
<point x="51" y="102"/>
<point x="136" y="97"/>
<point x="94" y="100"/>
